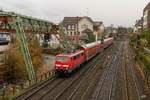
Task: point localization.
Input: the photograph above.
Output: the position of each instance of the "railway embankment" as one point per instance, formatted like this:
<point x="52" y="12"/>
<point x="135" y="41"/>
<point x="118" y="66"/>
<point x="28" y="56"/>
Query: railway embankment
<point x="141" y="48"/>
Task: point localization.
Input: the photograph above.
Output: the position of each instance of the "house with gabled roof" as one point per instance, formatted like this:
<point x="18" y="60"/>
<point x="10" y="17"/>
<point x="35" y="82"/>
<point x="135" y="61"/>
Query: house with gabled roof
<point x="76" y="27"/>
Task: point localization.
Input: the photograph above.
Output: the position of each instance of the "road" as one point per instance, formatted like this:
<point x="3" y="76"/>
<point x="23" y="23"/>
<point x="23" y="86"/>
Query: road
<point x="111" y="75"/>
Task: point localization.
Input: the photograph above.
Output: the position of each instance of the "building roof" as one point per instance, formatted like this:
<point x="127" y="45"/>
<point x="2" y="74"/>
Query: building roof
<point x="73" y="20"/>
<point x="87" y="31"/>
<point x="147" y="7"/>
<point x="98" y="23"/>
<point x="139" y="22"/>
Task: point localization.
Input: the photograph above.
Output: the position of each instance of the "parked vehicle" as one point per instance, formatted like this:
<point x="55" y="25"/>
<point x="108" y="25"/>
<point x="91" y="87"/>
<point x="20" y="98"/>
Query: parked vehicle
<point x="66" y="63"/>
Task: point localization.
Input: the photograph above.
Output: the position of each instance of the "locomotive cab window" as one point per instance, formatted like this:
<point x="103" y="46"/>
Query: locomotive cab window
<point x="63" y="59"/>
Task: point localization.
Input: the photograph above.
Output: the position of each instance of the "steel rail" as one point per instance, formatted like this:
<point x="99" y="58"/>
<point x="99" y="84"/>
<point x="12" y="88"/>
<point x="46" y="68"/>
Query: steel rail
<point x="102" y="80"/>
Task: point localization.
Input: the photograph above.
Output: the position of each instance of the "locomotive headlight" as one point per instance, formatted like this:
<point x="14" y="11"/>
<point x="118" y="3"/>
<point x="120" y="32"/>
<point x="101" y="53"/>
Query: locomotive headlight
<point x="65" y="65"/>
<point x="58" y="65"/>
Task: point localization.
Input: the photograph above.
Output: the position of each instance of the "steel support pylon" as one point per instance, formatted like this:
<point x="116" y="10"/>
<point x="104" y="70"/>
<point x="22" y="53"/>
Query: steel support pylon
<point x="24" y="47"/>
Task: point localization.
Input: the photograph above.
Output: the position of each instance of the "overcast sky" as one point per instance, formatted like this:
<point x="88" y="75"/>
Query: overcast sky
<point x="117" y="12"/>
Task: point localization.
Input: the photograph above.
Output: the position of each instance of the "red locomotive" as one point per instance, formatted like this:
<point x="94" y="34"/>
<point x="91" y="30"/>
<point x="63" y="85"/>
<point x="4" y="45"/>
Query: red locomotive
<point x="66" y="63"/>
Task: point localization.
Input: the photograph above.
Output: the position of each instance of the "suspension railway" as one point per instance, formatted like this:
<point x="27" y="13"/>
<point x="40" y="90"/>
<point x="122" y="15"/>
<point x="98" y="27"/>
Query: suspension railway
<point x="25" y="28"/>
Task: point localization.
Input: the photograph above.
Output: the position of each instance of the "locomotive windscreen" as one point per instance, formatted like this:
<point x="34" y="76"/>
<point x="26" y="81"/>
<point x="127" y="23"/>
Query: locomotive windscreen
<point x="62" y="59"/>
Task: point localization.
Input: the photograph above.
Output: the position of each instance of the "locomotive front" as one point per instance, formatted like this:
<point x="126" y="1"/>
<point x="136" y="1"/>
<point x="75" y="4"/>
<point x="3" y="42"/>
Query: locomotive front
<point x="62" y="64"/>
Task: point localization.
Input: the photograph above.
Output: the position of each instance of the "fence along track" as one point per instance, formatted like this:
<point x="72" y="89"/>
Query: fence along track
<point x="34" y="89"/>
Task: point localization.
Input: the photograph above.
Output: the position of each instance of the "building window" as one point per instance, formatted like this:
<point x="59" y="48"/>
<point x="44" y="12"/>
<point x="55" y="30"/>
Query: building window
<point x="71" y="33"/>
<point x="68" y="33"/>
<point x="84" y="26"/>
<point x="146" y="13"/>
<point x="73" y="27"/>
<point x="75" y="33"/>
<point x="69" y="26"/>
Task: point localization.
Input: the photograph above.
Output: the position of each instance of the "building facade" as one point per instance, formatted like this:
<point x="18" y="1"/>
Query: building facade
<point x="139" y="24"/>
<point x="78" y="27"/>
<point x="99" y="29"/>
<point x="146" y="16"/>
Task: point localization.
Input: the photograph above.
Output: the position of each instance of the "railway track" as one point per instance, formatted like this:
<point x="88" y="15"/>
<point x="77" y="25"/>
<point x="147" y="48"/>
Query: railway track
<point x="127" y="83"/>
<point x="105" y="67"/>
<point x="105" y="85"/>
<point x="108" y="76"/>
<point x="82" y="87"/>
<point x="41" y="90"/>
<point x="126" y="95"/>
<point x="77" y="90"/>
<point x="70" y="82"/>
<point x="134" y="91"/>
<point x="34" y="89"/>
<point x="120" y="90"/>
<point x="62" y="94"/>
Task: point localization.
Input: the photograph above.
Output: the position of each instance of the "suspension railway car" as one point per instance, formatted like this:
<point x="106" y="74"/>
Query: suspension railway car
<point x="66" y="63"/>
<point x="3" y="41"/>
